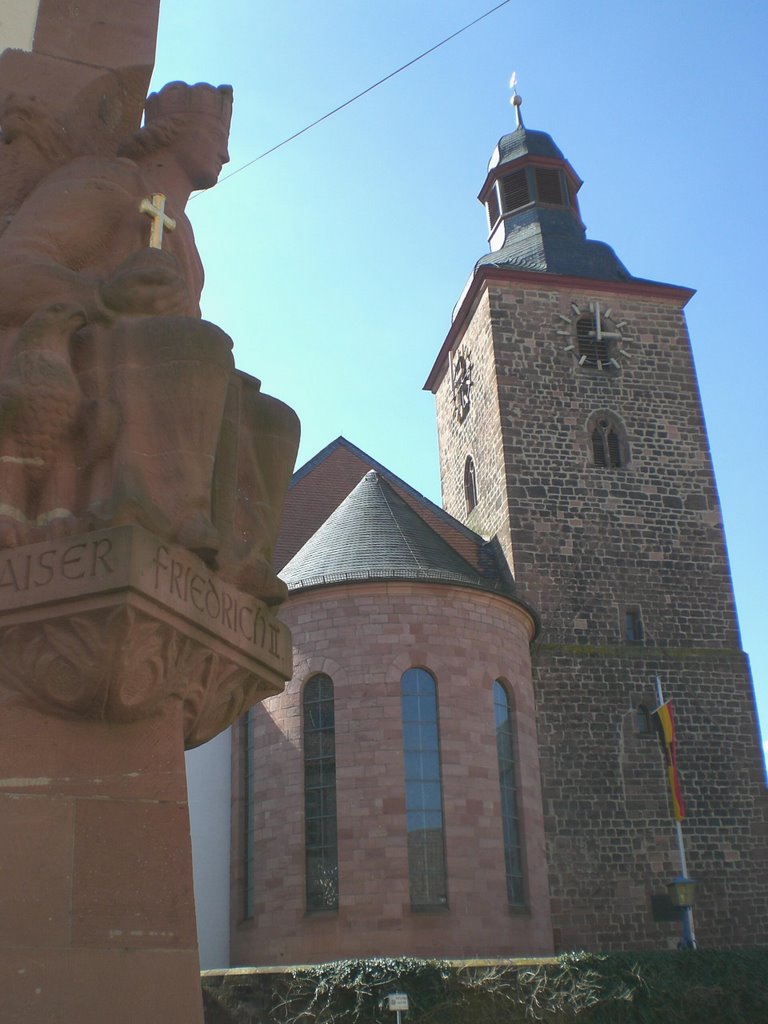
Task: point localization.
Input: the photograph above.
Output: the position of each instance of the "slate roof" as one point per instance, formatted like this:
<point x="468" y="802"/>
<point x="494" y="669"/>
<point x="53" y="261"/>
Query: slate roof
<point x="374" y="534"/>
<point x="322" y="483"/>
<point x="524" y="142"/>
<point x="552" y="241"/>
<point x="544" y="238"/>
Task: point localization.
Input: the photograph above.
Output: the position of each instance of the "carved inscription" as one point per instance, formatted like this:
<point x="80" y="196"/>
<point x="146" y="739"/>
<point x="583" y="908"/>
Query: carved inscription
<point x="24" y="570"/>
<point x="209" y="597"/>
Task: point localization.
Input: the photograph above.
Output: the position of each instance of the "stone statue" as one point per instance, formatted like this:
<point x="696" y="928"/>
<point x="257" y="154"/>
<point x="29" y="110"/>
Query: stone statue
<point x="118" y="404"/>
<point x="141" y="483"/>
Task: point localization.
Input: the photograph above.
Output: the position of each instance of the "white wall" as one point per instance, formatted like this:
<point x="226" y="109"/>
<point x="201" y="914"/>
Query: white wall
<point x="17" y="23"/>
<point x="209" y="786"/>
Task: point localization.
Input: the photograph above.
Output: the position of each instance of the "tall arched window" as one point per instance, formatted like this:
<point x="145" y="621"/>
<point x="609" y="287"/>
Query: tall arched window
<point x="470" y="483"/>
<point x="423" y="791"/>
<point x="510" y="820"/>
<point x="321" y="849"/>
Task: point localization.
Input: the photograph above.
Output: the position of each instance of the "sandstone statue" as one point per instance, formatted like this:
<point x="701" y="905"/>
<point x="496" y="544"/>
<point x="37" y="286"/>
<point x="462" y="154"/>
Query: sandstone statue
<point x="141" y="483"/>
<point x="118" y="404"/>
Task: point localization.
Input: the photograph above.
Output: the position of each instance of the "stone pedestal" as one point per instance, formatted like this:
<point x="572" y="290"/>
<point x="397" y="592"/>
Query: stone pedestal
<point x="115" y="650"/>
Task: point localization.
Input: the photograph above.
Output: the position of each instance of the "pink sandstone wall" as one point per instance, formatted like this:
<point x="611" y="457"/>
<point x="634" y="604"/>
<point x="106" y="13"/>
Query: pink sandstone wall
<point x="365" y="636"/>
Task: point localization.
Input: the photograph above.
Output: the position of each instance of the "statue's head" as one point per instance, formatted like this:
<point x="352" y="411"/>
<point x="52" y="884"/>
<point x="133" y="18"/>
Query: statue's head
<point x="180" y="98"/>
<point x="192" y="121"/>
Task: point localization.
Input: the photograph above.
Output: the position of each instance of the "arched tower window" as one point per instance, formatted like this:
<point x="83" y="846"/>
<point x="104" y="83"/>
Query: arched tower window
<point x="470" y="483"/>
<point x="608" y="442"/>
<point x="321" y="849"/>
<point x="510" y="819"/>
<point x="423" y="790"/>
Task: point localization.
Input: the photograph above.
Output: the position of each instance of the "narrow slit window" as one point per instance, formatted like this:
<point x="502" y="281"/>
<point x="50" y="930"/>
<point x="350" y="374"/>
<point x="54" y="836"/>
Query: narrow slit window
<point x="634" y="632"/>
<point x="643" y="721"/>
<point x="423" y="791"/>
<point x="510" y="818"/>
<point x="321" y="848"/>
<point x="470" y="483"/>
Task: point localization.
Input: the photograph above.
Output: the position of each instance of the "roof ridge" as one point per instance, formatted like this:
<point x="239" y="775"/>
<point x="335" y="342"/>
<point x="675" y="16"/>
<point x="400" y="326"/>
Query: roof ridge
<point x="316" y="459"/>
<point x="396" y="521"/>
<point x="389" y="476"/>
<point x="376" y="533"/>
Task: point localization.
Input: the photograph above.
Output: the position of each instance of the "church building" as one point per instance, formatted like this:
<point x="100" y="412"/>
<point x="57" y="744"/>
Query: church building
<point x="464" y="763"/>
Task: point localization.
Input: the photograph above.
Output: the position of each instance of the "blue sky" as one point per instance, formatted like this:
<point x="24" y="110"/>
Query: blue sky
<point x="335" y="262"/>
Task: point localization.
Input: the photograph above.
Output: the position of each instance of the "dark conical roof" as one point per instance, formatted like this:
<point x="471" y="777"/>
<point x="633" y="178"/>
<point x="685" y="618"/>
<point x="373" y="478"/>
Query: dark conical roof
<point x="375" y="535"/>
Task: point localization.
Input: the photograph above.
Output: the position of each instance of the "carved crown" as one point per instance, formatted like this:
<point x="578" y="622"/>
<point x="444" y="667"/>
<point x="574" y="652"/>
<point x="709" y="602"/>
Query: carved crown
<point x="180" y="98"/>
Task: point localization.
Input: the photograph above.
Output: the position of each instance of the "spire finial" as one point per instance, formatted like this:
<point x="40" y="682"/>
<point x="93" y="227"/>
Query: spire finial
<point x="516" y="100"/>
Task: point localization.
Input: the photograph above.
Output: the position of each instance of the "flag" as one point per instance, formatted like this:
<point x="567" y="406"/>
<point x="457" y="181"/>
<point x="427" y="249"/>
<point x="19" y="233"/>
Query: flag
<point x="665" y="722"/>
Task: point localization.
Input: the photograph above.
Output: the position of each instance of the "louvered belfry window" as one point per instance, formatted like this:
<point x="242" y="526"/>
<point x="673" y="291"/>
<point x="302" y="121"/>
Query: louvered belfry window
<point x="493" y="206"/>
<point x="606" y="445"/>
<point x="548" y="186"/>
<point x="514" y="191"/>
<point x="593" y="351"/>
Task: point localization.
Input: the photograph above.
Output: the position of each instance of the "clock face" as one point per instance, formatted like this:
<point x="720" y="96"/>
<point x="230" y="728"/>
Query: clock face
<point x="594" y="337"/>
<point x="461" y="372"/>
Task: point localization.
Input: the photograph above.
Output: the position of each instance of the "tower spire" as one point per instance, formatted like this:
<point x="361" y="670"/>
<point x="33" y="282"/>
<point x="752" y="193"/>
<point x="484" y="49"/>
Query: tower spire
<point x="516" y="100"/>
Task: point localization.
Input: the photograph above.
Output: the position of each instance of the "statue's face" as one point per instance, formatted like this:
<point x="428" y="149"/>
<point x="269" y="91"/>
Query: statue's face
<point x="201" y="150"/>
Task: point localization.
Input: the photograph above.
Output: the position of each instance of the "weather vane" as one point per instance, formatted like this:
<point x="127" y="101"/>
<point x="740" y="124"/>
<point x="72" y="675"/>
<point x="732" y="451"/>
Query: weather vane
<point x="516" y="100"/>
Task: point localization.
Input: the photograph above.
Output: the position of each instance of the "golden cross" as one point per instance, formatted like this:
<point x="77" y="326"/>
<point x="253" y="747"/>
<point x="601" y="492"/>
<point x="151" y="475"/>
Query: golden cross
<point x="155" y="208"/>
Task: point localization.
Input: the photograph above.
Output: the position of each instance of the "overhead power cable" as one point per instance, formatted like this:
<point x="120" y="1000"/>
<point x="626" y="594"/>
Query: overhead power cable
<point x="365" y="92"/>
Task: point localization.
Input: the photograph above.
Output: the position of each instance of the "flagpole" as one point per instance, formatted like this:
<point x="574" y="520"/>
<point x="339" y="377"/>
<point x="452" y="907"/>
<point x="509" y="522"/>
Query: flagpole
<point x="688" y="931"/>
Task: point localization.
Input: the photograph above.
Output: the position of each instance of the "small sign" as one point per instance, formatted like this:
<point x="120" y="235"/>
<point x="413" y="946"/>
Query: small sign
<point x="398" y="1001"/>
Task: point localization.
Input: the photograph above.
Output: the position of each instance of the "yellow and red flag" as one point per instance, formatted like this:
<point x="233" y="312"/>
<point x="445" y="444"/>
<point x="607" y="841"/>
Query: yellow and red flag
<point x="665" y="720"/>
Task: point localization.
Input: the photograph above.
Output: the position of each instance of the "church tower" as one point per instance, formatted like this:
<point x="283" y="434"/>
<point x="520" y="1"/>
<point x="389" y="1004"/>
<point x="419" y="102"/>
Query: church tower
<point x="571" y="431"/>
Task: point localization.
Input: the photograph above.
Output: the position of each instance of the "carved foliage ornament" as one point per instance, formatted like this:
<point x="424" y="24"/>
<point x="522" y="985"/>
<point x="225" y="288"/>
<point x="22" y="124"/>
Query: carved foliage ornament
<point x="120" y="665"/>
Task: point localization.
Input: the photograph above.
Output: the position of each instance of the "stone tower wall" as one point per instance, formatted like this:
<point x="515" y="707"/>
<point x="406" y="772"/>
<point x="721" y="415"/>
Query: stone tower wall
<point x="365" y="636"/>
<point x="586" y="543"/>
<point x="586" y="540"/>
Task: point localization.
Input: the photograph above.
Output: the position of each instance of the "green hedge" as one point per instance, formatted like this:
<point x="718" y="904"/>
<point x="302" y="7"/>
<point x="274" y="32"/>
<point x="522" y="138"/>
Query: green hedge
<point x="701" y="987"/>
